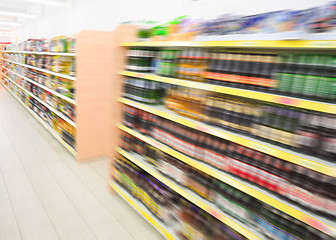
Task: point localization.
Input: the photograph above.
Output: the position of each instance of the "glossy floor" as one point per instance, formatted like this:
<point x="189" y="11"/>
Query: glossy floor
<point x="45" y="194"/>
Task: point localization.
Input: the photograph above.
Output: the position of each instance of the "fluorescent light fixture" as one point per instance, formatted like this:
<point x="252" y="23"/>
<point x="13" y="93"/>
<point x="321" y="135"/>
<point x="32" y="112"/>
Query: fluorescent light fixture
<point x="10" y="23"/>
<point x="5" y="29"/>
<point x="49" y="2"/>
<point x="17" y="14"/>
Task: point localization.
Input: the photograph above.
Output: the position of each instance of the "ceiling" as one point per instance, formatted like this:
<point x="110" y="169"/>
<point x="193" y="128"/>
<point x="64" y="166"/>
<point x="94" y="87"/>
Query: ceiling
<point x="16" y="11"/>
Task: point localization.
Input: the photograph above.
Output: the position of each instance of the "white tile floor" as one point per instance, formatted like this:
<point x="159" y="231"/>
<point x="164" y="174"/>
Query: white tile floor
<point x="45" y="194"/>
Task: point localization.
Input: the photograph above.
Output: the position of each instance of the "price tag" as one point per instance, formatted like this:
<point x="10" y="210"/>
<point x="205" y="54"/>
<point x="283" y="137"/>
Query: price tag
<point x="202" y="128"/>
<point x="287" y="101"/>
<point x="139" y="75"/>
<point x="214" y="213"/>
<point x="155" y="144"/>
<point x="317" y="224"/>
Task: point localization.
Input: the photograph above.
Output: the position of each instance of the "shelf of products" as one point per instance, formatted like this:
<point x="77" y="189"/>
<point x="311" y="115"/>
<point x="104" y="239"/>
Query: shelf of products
<point x="44" y="83"/>
<point x="294" y="157"/>
<point x="282" y="44"/>
<point x="68" y="99"/>
<point x="43" y="53"/>
<point x="309" y="218"/>
<point x="58" y="113"/>
<point x="42" y="70"/>
<point x="267" y="97"/>
<point x="309" y="76"/>
<point x="55" y="46"/>
<point x="138" y="206"/>
<point x="54" y="77"/>
<point x="246" y="117"/>
<point x="315" y="23"/>
<point x="62" y="138"/>
<point x="170" y="208"/>
<point x="205" y="205"/>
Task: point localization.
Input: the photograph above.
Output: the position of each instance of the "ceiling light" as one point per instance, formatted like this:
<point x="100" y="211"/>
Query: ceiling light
<point x="10" y="23"/>
<point x="17" y="14"/>
<point x="5" y="29"/>
<point x="48" y="2"/>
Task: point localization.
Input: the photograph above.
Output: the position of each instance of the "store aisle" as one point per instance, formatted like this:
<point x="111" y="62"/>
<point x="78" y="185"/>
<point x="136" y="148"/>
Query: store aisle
<point x="46" y="194"/>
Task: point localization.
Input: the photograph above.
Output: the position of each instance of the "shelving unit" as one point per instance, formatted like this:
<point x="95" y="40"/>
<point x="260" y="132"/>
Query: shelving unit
<point x="276" y="151"/>
<point x="192" y="197"/>
<point x="43" y="53"/>
<point x="166" y="231"/>
<point x="322" y="224"/>
<point x="49" y="129"/>
<point x="70" y="100"/>
<point x="43" y="70"/>
<point x="93" y="84"/>
<point x="325" y="225"/>
<point x="65" y="118"/>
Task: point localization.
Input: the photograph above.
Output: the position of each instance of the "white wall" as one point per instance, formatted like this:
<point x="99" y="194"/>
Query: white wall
<point x="106" y="14"/>
<point x="98" y="15"/>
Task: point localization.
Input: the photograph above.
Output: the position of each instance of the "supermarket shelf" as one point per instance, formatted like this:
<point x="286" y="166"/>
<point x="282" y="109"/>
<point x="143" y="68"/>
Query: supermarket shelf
<point x="58" y="113"/>
<point x="138" y="206"/>
<point x="288" y="155"/>
<point x="52" y="131"/>
<point x="192" y="197"/>
<point x="273" y="98"/>
<point x="70" y="100"/>
<point x="277" y="44"/>
<point x="43" y="53"/>
<point x="43" y="70"/>
<point x="311" y="219"/>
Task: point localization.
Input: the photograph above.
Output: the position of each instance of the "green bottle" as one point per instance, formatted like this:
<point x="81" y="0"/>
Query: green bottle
<point x="299" y="75"/>
<point x="286" y="75"/>
<point x="310" y="87"/>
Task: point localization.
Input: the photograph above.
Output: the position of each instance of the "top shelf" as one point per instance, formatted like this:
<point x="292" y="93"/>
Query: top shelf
<point x="278" y="44"/>
<point x="43" y="53"/>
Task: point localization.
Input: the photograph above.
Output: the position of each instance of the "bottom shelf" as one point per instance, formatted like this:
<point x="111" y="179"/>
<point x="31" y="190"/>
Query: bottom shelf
<point x="167" y="232"/>
<point x="52" y="131"/>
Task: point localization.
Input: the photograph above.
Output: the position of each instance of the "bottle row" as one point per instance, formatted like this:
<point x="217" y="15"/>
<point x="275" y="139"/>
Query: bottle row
<point x="311" y="190"/>
<point x="63" y="106"/>
<point x="59" y="64"/>
<point x="56" y="44"/>
<point x="61" y="85"/>
<point x="305" y="75"/>
<point x="310" y="132"/>
<point x="171" y="208"/>
<point x="66" y="131"/>
<point x="188" y="221"/>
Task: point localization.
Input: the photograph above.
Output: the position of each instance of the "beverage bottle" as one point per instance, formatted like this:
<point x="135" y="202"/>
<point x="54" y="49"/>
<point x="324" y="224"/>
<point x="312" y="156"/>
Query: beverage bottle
<point x="332" y="85"/>
<point x="235" y="69"/>
<point x="245" y="73"/>
<point x="284" y="73"/>
<point x="300" y="72"/>
<point x="313" y="76"/>
<point x="266" y="72"/>
<point x="226" y="68"/>
<point x="255" y="70"/>
<point x="211" y="67"/>
<point x="307" y="135"/>
<point x="324" y="83"/>
<point x="328" y="145"/>
<point x="259" y="80"/>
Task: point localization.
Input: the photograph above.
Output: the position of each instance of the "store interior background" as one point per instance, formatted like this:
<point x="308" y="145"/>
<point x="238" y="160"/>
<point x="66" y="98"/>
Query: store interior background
<point x="104" y="15"/>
